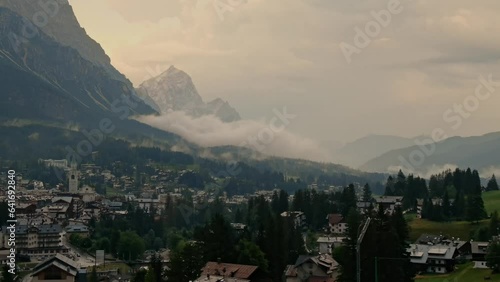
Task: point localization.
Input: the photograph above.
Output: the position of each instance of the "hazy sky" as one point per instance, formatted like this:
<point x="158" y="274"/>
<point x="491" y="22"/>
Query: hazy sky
<point x="268" y="54"/>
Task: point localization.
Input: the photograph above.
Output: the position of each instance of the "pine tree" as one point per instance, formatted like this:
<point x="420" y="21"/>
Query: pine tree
<point x="367" y="193"/>
<point x="492" y="184"/>
<point x="494" y="224"/>
<point x="186" y="264"/>
<point x="6" y="275"/>
<point x="446" y="206"/>
<point x="493" y="256"/>
<point x="389" y="186"/>
<point x="458" y="207"/>
<point x="348" y="269"/>
<point x="475" y="206"/>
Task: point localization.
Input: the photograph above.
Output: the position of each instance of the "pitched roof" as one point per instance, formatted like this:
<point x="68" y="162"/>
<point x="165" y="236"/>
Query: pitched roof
<point x="419" y="253"/>
<point x="42" y="229"/>
<point x="335" y="218"/>
<point x="65" y="199"/>
<point x="479" y="247"/>
<point x="60" y="261"/>
<point x="240" y="271"/>
<point x="322" y="260"/>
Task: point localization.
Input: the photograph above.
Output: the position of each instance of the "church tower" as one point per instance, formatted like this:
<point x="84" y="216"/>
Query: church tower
<point x="73" y="178"/>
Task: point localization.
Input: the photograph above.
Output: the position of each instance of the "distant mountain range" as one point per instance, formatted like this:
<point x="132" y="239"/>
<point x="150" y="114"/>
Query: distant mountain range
<point x="55" y="82"/>
<point x="478" y="152"/>
<point x="174" y="90"/>
<point x="364" y="149"/>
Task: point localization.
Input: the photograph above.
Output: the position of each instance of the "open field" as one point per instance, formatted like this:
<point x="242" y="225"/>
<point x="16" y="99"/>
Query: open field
<point x="457" y="229"/>
<point x="491" y="201"/>
<point x="464" y="273"/>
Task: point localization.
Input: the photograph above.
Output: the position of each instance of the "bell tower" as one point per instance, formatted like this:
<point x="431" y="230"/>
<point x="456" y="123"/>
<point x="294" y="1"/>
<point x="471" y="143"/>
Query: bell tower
<point x="73" y="178"/>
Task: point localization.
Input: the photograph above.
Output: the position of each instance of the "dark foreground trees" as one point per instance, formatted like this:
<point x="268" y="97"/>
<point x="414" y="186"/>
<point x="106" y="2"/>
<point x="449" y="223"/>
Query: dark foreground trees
<point x="383" y="250"/>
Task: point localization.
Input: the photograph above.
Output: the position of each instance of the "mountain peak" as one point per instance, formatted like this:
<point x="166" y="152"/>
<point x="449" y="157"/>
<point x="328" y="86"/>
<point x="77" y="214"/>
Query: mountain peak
<point x="175" y="90"/>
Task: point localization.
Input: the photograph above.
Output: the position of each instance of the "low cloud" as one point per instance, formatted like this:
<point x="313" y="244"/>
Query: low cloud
<point x="489" y="171"/>
<point x="261" y="136"/>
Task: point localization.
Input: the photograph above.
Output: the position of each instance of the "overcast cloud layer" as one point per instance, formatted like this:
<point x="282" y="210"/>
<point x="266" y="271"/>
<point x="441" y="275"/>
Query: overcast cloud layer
<point x="269" y="54"/>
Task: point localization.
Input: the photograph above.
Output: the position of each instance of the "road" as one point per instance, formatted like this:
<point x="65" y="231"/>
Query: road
<point x="82" y="258"/>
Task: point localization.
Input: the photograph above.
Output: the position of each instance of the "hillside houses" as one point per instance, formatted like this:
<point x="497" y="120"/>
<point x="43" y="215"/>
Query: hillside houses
<point x="312" y="268"/>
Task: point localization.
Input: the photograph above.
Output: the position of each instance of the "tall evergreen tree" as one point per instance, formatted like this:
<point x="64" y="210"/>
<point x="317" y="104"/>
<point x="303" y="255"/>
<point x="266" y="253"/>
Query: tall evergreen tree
<point x="348" y="269"/>
<point x="493" y="256"/>
<point x="492" y="184"/>
<point x="494" y="224"/>
<point x="475" y="206"/>
<point x="348" y="200"/>
<point x="186" y="264"/>
<point x="367" y="193"/>
<point x="458" y="206"/>
<point x="389" y="186"/>
<point x="446" y="206"/>
<point x="283" y="201"/>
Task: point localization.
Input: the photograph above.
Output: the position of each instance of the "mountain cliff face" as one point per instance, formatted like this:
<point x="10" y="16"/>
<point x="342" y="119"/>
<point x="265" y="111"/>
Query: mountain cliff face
<point x="44" y="79"/>
<point x="174" y="90"/>
<point x="62" y="25"/>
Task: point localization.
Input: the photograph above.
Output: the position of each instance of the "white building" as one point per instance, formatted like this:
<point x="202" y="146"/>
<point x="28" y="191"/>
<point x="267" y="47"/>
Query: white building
<point x="328" y="244"/>
<point x="55" y="163"/>
<point x="73" y="178"/>
<point x="88" y="194"/>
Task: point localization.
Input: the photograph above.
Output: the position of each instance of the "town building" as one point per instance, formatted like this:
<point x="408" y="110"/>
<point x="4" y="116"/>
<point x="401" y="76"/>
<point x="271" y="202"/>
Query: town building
<point x="479" y="251"/>
<point x="227" y="272"/>
<point x="39" y="241"/>
<point x="58" y="268"/>
<point x="433" y="258"/>
<point x="326" y="245"/>
<point x="312" y="268"/>
<point x="336" y="224"/>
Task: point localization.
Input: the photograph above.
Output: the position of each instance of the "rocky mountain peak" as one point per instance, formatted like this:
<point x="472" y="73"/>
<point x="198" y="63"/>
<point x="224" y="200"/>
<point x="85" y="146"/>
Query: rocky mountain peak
<point x="175" y="90"/>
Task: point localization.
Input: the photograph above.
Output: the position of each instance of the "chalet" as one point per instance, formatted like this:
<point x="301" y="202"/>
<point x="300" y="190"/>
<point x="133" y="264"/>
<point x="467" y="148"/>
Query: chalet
<point x="479" y="251"/>
<point x="58" y="268"/>
<point x="433" y="258"/>
<point x="336" y="224"/>
<point x="463" y="247"/>
<point x="217" y="271"/>
<point x="312" y="268"/>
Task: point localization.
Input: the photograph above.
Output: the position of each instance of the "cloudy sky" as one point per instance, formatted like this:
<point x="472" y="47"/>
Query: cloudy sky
<point x="263" y="54"/>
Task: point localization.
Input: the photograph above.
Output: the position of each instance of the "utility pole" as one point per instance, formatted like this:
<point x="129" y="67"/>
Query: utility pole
<point x="358" y="248"/>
